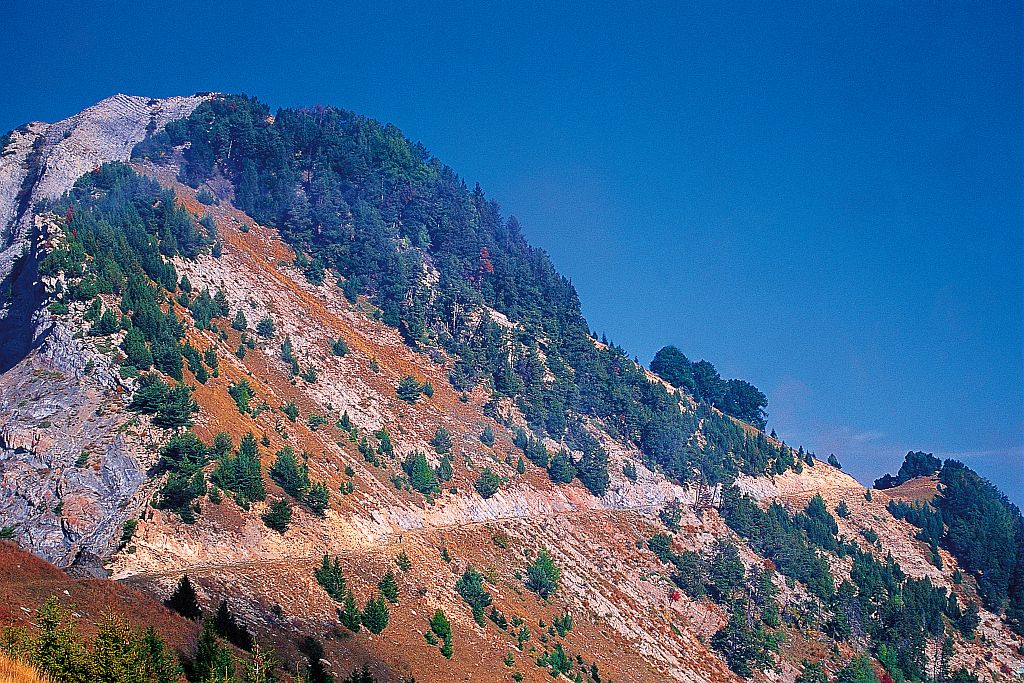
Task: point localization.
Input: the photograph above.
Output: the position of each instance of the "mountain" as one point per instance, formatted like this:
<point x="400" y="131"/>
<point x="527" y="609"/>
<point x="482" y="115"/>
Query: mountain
<point x="294" y="358"/>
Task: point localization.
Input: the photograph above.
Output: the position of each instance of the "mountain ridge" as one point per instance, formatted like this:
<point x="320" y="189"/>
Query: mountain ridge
<point x="630" y="616"/>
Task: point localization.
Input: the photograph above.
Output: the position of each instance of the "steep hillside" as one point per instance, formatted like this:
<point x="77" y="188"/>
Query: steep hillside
<point x="273" y="339"/>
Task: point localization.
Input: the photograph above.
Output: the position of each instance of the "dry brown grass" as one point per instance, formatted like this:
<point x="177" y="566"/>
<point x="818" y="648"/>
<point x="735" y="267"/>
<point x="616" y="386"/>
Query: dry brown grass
<point x="12" y="671"/>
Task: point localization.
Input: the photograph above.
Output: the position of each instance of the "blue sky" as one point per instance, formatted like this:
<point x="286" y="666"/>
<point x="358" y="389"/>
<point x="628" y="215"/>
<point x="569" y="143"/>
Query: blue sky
<point x="822" y="198"/>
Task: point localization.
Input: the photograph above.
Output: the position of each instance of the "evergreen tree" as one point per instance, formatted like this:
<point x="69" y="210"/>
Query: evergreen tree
<point x="239" y="322"/>
<point x="421" y="474"/>
<point x="487" y="436"/>
<point x="389" y="587"/>
<point x="278" y="516"/>
<point x="487" y="484"/>
<point x="213" y="660"/>
<point x="409" y="389"/>
<point x="265" y="327"/>
<point x="561" y="469"/>
<point x="444" y="469"/>
<point x="317" y="499"/>
<point x="330" y="576"/>
<point x="542" y="575"/>
<point x="376" y="614"/>
<point x="442" y="441"/>
<point x="471" y="587"/>
<point x="184" y="600"/>
<point x="289" y="474"/>
<point x="227" y="626"/>
<point x="592" y="470"/>
<point x="349" y="614"/>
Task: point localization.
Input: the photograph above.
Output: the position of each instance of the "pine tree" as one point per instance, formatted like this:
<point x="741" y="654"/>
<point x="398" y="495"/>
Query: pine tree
<point x="487" y="484"/>
<point x="444" y="469"/>
<point x="376" y="614"/>
<point x="421" y="475"/>
<point x="317" y="499"/>
<point x="289" y="474"/>
<point x="330" y="576"/>
<point x="561" y="470"/>
<point x="409" y="389"/>
<point x="542" y="575"/>
<point x="240" y="323"/>
<point x="592" y="470"/>
<point x="213" y="660"/>
<point x="487" y="436"/>
<point x="349" y="614"/>
<point x="184" y="600"/>
<point x="442" y="441"/>
<point x="389" y="587"/>
<point x="278" y="516"/>
<point x="265" y="327"/>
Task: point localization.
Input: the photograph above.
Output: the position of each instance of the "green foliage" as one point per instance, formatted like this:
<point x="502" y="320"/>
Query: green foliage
<point x="780" y="538"/>
<point x="859" y="670"/>
<point x="290" y="410"/>
<point x="744" y="648"/>
<point x="843" y="510"/>
<point x="832" y="460"/>
<point x="409" y="389"/>
<point x="915" y="464"/>
<point x="339" y="347"/>
<point x="561" y="468"/>
<point x="403" y="561"/>
<point x="213" y="660"/>
<point x="317" y="498"/>
<point x="671" y="515"/>
<point x="349" y="614"/>
<point x="265" y="327"/>
<point x="444" y="469"/>
<point x="241" y="473"/>
<point x="487" y="436"/>
<point x="289" y="474"/>
<point x="227" y="626"/>
<point x="239" y="322"/>
<point x="241" y="392"/>
<point x="184" y="600"/>
<point x="442" y="441"/>
<point x="471" y="587"/>
<point x="985" y="532"/>
<point x="442" y="628"/>
<point x="421" y="475"/>
<point x="330" y="576"/>
<point x="389" y="586"/>
<point x="488" y="483"/>
<point x="278" y="516"/>
<point x="542" y="575"/>
<point x="117" y="653"/>
<point x="376" y="614"/>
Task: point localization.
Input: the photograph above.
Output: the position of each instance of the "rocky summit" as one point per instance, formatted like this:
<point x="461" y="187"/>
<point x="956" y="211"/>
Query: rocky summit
<point x="282" y="387"/>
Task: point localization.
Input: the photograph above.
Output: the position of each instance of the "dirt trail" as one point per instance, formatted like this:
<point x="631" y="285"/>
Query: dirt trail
<point x="393" y="541"/>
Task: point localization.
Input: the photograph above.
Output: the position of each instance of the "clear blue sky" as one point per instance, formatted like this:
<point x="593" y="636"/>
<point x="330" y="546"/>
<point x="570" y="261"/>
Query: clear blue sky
<point x="822" y="198"/>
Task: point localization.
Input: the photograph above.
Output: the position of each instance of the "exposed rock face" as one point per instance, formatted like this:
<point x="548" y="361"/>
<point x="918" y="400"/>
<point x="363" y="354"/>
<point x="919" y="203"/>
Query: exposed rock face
<point x="43" y="160"/>
<point x="70" y="469"/>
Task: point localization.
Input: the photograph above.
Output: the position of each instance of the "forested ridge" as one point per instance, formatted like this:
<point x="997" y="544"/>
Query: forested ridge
<point x="363" y="204"/>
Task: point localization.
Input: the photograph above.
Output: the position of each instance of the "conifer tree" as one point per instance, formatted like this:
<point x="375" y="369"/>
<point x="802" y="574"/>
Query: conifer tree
<point x="389" y="587"/>
<point x="376" y="614"/>
<point x="184" y="600"/>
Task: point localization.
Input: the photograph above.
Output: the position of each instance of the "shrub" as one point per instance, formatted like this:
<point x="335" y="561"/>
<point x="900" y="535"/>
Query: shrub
<point x="442" y="441"/>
